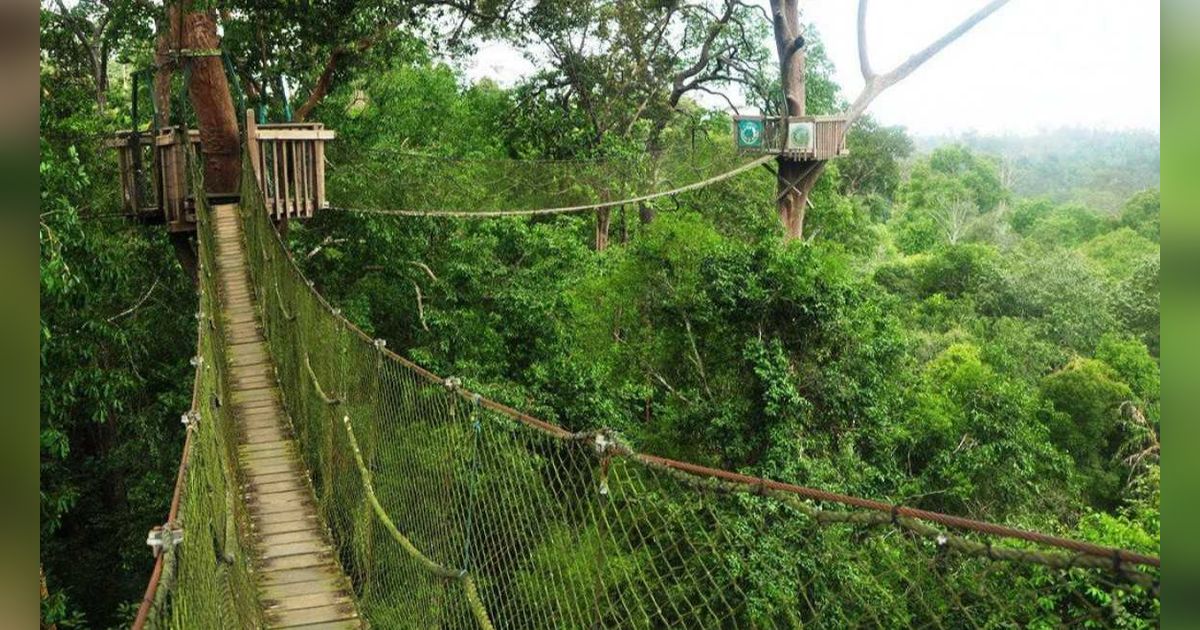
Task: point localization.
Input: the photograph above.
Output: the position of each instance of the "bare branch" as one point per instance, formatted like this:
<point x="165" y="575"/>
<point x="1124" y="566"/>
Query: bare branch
<point x="136" y="306"/>
<point x="733" y="107"/>
<point x="876" y="84"/>
<point x="425" y="268"/>
<point x="325" y="80"/>
<point x="864" y="61"/>
<point x="420" y="306"/>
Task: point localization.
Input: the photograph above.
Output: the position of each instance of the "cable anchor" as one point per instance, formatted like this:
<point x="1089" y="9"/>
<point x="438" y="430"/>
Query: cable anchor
<point x="164" y="538"/>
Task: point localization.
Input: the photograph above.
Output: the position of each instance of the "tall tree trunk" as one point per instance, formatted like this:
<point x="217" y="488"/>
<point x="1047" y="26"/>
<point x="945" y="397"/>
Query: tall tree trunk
<point x="185" y="28"/>
<point x="213" y="103"/>
<point x="100" y="75"/>
<point x="603" y="220"/>
<point x="168" y="39"/>
<point x="796" y="181"/>
<point x="188" y="27"/>
<point x="796" y="177"/>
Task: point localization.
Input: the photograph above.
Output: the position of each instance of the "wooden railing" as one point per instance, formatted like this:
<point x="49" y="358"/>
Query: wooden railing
<point x="154" y="176"/>
<point x="289" y="163"/>
<point x="828" y="134"/>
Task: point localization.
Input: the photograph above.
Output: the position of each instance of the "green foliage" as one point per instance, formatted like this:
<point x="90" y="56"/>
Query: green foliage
<point x="116" y="332"/>
<point x="1137" y="303"/>
<point x="944" y="197"/>
<point x="876" y="153"/>
<point x="1133" y="364"/>
<point x="942" y="339"/>
<point x="1141" y="213"/>
<point x="1062" y="291"/>
<point x="1099" y="168"/>
<point x="1087" y="395"/>
<point x="1066" y="225"/>
<point x="1120" y="252"/>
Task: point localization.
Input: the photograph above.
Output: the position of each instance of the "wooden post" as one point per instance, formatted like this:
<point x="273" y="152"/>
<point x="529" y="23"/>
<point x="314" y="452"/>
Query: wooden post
<point x="252" y="146"/>
<point x="319" y="163"/>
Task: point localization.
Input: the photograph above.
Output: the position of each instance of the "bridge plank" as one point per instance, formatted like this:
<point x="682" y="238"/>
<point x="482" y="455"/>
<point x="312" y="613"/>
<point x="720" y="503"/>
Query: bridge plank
<point x="277" y="486"/>
<point x="292" y="589"/>
<point x="292" y="618"/>
<point x="293" y="549"/>
<point x="319" y="572"/>
<point x="300" y="582"/>
<point x="287" y="527"/>
<point x="298" y="561"/>
<point x="311" y="535"/>
<point x="285" y="516"/>
<point x="331" y="597"/>
<point x="329" y="625"/>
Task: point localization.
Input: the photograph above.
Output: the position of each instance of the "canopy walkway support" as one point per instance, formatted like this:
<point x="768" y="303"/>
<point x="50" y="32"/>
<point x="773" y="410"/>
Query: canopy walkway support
<point x="300" y="582"/>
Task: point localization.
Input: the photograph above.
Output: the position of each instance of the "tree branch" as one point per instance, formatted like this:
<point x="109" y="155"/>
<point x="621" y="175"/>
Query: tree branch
<point x="325" y="80"/>
<point x="701" y="88"/>
<point x="864" y="61"/>
<point x="876" y="84"/>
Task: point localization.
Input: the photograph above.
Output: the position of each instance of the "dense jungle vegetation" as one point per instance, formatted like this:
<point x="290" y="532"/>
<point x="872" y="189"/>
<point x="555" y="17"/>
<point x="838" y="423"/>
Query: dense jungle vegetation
<point x="945" y="335"/>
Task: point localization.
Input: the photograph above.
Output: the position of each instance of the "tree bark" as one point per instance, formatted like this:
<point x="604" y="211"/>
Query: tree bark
<point x="168" y="39"/>
<point x="603" y="220"/>
<point x="796" y="178"/>
<point x="794" y="184"/>
<point x="213" y="103"/>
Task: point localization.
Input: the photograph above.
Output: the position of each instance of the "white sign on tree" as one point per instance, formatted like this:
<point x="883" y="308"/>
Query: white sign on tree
<point x="800" y="136"/>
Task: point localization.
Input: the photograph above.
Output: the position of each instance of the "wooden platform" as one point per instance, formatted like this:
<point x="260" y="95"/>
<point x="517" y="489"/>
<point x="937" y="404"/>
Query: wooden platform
<point x="301" y="584"/>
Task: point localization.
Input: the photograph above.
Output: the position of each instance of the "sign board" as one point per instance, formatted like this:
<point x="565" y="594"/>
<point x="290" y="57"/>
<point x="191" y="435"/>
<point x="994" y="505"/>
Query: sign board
<point x="750" y="132"/>
<point x="800" y="136"/>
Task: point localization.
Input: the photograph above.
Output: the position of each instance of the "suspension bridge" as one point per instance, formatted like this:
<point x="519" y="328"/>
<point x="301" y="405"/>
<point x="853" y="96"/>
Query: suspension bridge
<point x="328" y="482"/>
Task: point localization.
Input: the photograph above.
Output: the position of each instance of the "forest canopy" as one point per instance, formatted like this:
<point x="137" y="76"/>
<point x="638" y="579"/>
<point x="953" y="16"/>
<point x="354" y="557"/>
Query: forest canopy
<point x="967" y="326"/>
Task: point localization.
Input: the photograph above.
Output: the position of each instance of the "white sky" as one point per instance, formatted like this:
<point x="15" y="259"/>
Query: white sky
<point x="1033" y="65"/>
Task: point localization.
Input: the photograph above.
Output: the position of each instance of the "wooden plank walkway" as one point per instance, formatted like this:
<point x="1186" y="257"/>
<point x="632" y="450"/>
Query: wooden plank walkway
<point x="301" y="584"/>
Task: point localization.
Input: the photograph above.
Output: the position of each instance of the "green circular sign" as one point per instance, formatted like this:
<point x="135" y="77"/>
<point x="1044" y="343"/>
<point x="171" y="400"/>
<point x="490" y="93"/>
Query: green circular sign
<point x="750" y="133"/>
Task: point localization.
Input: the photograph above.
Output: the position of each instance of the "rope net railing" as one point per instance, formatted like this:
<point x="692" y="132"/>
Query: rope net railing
<point x="396" y="182"/>
<point x="448" y="509"/>
<point x="202" y="576"/>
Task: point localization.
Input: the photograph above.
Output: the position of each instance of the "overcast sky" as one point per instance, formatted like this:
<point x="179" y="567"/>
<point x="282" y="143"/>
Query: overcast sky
<point x="1034" y="64"/>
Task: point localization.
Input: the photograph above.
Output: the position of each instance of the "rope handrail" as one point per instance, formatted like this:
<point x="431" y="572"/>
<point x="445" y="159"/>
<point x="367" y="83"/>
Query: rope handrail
<point x="480" y="214"/>
<point x="553" y="430"/>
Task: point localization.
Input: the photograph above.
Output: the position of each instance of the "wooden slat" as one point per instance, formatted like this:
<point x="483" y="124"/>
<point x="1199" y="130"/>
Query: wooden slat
<point x="273" y="209"/>
<point x="267" y="133"/>
<point x="252" y="146"/>
<point x="292" y="618"/>
<point x="318" y="572"/>
<point x="286" y="200"/>
<point x="292" y="589"/>
<point x="319" y="163"/>
<point x="306" y="170"/>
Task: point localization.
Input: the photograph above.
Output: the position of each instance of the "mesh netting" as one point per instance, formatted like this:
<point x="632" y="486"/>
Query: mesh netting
<point x="204" y="580"/>
<point x="451" y="510"/>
